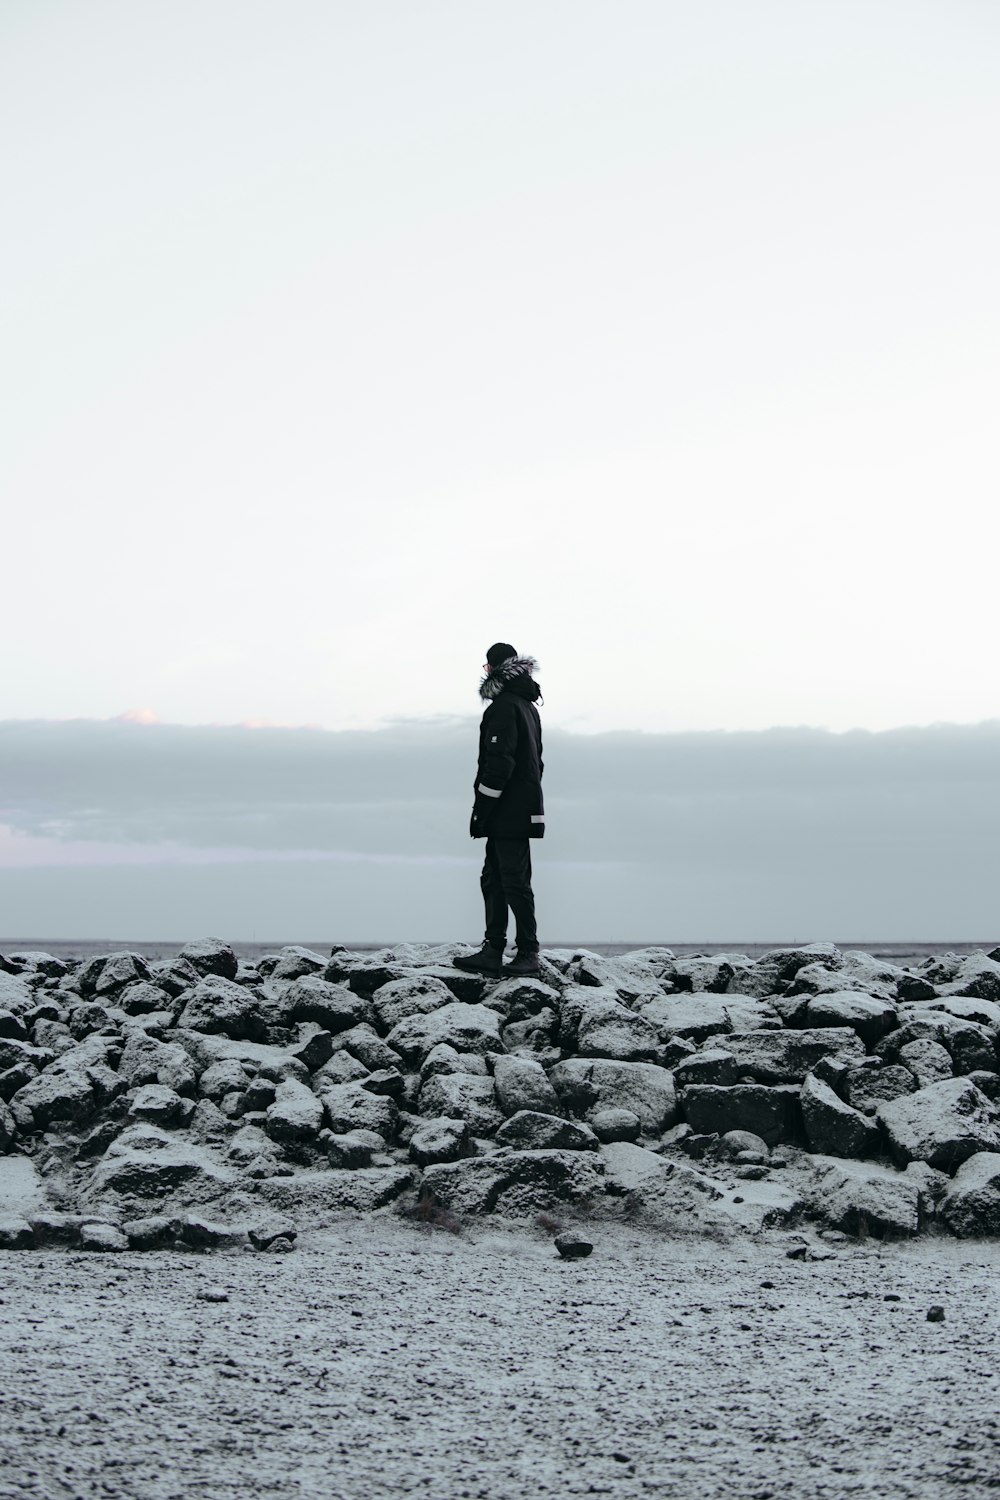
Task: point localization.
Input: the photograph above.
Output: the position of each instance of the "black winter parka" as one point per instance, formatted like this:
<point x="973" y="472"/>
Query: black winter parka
<point x="508" y="801"/>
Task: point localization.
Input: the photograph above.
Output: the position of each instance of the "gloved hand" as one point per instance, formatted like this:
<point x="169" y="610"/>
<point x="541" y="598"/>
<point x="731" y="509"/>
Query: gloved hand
<point x="479" y="823"/>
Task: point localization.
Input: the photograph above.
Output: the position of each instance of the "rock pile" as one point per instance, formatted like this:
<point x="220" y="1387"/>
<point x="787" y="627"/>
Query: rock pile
<point x="201" y="1101"/>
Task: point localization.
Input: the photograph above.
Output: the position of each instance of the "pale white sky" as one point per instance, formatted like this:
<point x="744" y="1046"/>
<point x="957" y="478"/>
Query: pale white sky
<point x="659" y="338"/>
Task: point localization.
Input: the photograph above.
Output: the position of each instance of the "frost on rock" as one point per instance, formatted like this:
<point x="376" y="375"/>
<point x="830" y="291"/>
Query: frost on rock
<point x="201" y="1090"/>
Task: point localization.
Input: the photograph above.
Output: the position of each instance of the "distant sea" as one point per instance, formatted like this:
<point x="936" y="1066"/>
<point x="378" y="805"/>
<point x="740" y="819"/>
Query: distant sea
<point x="897" y="953"/>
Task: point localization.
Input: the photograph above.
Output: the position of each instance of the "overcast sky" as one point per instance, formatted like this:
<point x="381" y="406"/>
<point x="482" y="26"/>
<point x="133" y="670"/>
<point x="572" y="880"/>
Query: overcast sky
<point x="659" y="338"/>
<point x="340" y="340"/>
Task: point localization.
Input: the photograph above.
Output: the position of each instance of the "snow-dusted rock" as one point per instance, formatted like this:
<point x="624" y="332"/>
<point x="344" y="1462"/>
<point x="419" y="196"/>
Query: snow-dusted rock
<point x="349" y="1106"/>
<point x="211" y="956"/>
<point x="463" y="1096"/>
<point x="413" y="996"/>
<point x="217" y="1006"/>
<point x="787" y="1056"/>
<point x="863" y="1197"/>
<point x="833" y="1127"/>
<point x="532" y="1130"/>
<point x="296" y="1114"/>
<point x="520" y="1083"/>
<point x="773" y="1113"/>
<point x="467" y="1028"/>
<point x="437" y="1140"/>
<point x="584" y="1085"/>
<point x="942" y="1124"/>
<point x="695" y="1017"/>
<point x="516" y="1183"/>
<point x="870" y="1016"/>
<point x="971" y="1204"/>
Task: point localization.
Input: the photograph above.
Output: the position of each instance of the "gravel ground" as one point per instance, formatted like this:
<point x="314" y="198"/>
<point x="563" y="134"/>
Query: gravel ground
<point x="384" y="1358"/>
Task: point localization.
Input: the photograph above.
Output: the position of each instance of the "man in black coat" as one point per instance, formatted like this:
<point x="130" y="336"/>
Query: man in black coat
<point x="508" y="809"/>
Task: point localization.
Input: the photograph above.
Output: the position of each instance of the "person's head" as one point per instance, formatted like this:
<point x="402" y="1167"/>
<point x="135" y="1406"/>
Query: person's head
<point x="497" y="654"/>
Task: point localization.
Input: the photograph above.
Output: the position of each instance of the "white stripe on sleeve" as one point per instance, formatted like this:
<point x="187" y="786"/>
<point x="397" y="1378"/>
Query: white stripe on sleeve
<point x="487" y="791"/>
<point x="538" y="817"/>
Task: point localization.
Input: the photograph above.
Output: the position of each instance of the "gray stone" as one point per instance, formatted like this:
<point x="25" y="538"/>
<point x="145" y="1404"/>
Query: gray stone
<point x="313" y="1046"/>
<point x="15" y="1233"/>
<point x="531" y="1130"/>
<point x="332" y="1006"/>
<point x="219" y="1007"/>
<point x="518" y="999"/>
<point x="415" y="995"/>
<point x="927" y="1060"/>
<point x="315" y="1199"/>
<point x="343" y="1067"/>
<point x="226" y="1077"/>
<point x="774" y="1114"/>
<point x="520" y="1083"/>
<point x="694" y="1017"/>
<point x="296" y="1114"/>
<point x="211" y="956"/>
<point x="864" y="1198"/>
<point x="971" y="1205"/>
<point x="615" y="1125"/>
<point x="152" y="1232"/>
<point x="439" y="1140"/>
<point x="295" y="963"/>
<point x="942" y="1124"/>
<point x="273" y="1227"/>
<point x="386" y="1081"/>
<point x="256" y="1057"/>
<point x="740" y="1143"/>
<point x="572" y="1245"/>
<point x="353" y="1149"/>
<point x="146" y="1162"/>
<point x="444" y="1059"/>
<point x="467" y="1028"/>
<point x="584" y="1084"/>
<point x="462" y="1096"/>
<point x="158" y="1104"/>
<point x="866" y="1088"/>
<point x="349" y="1107"/>
<point x="534" y="1037"/>
<point x="832" y="1127"/>
<point x="714" y="1065"/>
<point x="774" y="1057"/>
<point x="364" y="1043"/>
<point x="515" y="1183"/>
<point x="595" y="1023"/>
<point x="143" y="998"/>
<point x="870" y="1016"/>
<point x="102" y="1237"/>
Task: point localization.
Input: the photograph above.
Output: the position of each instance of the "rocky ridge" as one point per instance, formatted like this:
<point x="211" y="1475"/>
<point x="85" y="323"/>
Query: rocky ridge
<point x="201" y="1102"/>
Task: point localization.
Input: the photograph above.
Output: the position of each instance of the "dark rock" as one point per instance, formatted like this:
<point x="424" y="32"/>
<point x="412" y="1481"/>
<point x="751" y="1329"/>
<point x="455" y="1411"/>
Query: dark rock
<point x="927" y="1060"/>
<point x="313" y="1046"/>
<point x="914" y="987"/>
<point x="866" y="1088"/>
<point x="534" y="1037"/>
<point x="146" y="1162"/>
<point x="152" y="1232"/>
<point x="414" y="996"/>
<point x="736" y="1144"/>
<point x="212" y="1294"/>
<point x="385" y="1081"/>
<point x="365" y="1044"/>
<point x="698" y="1146"/>
<point x="864" y="1198"/>
<point x="520" y="1083"/>
<point x="352" y="1149"/>
<point x="833" y="1127"/>
<point x="14" y="1079"/>
<point x="467" y="1028"/>
<point x="774" y="1114"/>
<point x="206" y="1234"/>
<point x="869" y="1016"/>
<point x="11" y="1025"/>
<point x="714" y="1065"/>
<point x="572" y="1245"/>
<point x="226" y="1077"/>
<point x="773" y="1057"/>
<point x="517" y="1183"/>
<point x="157" y="1104"/>
<point x="211" y="956"/>
<point x="276" y="1226"/>
<point x="349" y="1107"/>
<point x="463" y="1096"/>
<point x="692" y="1018"/>
<point x="295" y="963"/>
<point x="219" y="1007"/>
<point x="615" y="1125"/>
<point x="971" y="1205"/>
<point x="935" y="1314"/>
<point x="316" y="1198"/>
<point x="15" y="1233"/>
<point x="439" y="1140"/>
<point x="530" y="1130"/>
<point x="296" y="1114"/>
<point x="942" y="1124"/>
<point x="56" y="1228"/>
<point x="143" y="998"/>
<point x="332" y="1006"/>
<point x="97" y="1235"/>
<point x="584" y="1084"/>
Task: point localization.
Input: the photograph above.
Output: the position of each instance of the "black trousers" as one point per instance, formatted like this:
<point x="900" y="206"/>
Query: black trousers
<point x="506" y="882"/>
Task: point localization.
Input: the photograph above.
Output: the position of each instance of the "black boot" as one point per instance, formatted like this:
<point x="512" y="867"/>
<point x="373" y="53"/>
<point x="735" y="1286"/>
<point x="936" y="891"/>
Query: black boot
<point x="525" y="965"/>
<point x="488" y="960"/>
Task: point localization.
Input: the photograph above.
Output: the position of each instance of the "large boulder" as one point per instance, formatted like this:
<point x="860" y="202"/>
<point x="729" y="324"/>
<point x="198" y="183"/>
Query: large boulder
<point x="521" y="1083"/>
<point x="516" y="1183"/>
<point x="315" y="1199"/>
<point x="775" y="1114"/>
<point x="349" y="1106"/>
<point x="107" y="973"/>
<point x="211" y="956"/>
<point x="584" y="1085"/>
<point x="145" y="1059"/>
<point x="413" y="996"/>
<point x="467" y="1028"/>
<point x="441" y="1139"/>
<point x="517" y="999"/>
<point x="696" y="1017"/>
<point x="295" y="963"/>
<point x="866" y="1088"/>
<point x="971" y="1205"/>
<point x="147" y="1162"/>
<point x="787" y="1056"/>
<point x="871" y="1017"/>
<point x="864" y="1198"/>
<point x="296" y="1114"/>
<point x="221" y="1008"/>
<point x="462" y="1096"/>
<point x="332" y="1006"/>
<point x="833" y="1127"/>
<point x="927" y="1060"/>
<point x="531" y="1130"/>
<point x="257" y="1058"/>
<point x="943" y="1124"/>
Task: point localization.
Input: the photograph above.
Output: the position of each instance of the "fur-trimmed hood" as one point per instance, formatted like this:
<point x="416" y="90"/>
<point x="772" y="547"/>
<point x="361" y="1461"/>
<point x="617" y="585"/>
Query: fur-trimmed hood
<point x="514" y="673"/>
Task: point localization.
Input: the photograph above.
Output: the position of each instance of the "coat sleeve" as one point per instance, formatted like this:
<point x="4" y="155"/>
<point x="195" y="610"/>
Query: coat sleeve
<point x="499" y="754"/>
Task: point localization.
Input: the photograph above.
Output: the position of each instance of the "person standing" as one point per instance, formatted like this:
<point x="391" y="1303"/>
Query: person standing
<point x="508" y="810"/>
